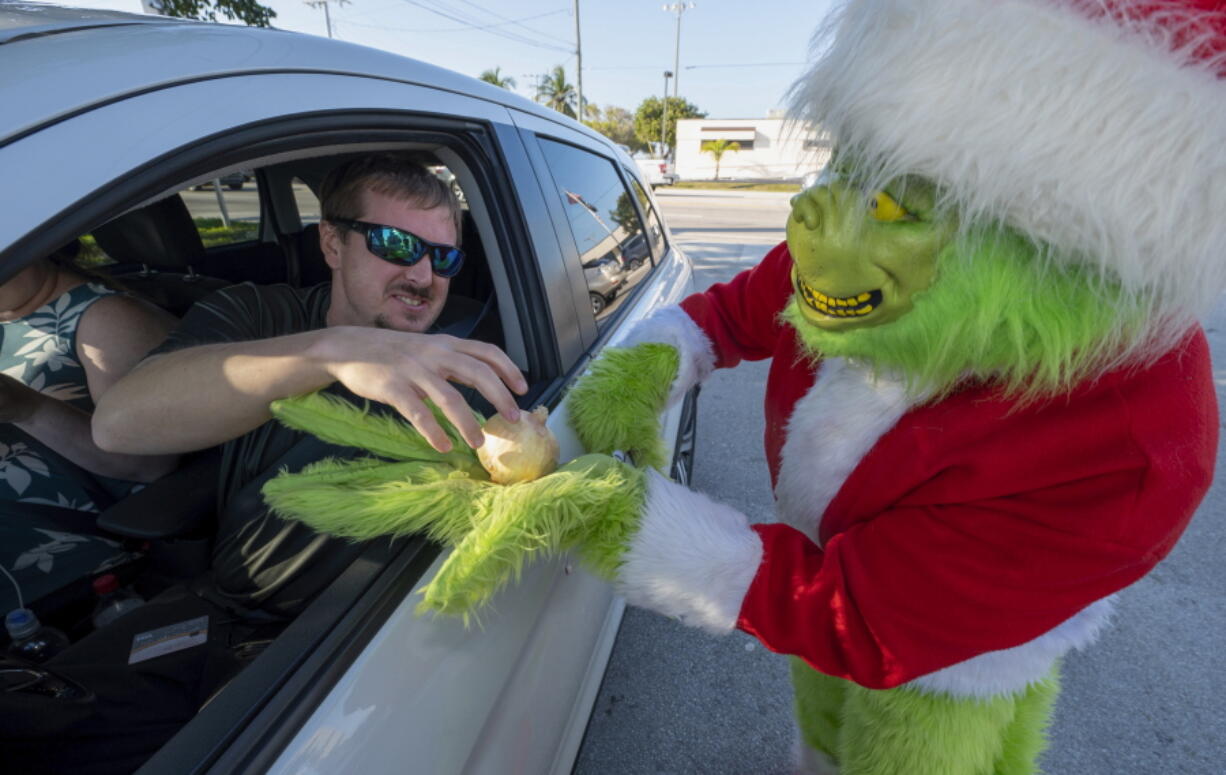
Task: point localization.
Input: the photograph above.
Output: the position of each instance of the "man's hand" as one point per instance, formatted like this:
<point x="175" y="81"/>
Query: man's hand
<point x="17" y="400"/>
<point x="402" y="370"/>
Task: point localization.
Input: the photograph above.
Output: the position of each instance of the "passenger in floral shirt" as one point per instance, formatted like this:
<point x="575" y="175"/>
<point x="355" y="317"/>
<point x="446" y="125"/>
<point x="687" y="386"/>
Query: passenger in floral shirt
<point x="63" y="342"/>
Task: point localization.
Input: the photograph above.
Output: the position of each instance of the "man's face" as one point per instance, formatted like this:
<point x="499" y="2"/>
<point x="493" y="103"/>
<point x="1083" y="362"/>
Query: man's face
<point x="368" y="291"/>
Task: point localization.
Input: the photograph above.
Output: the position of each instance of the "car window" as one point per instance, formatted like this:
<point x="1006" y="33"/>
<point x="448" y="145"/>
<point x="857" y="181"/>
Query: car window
<point x="306" y="201"/>
<point x="655" y="231"/>
<point x="226" y="210"/>
<point x="613" y="246"/>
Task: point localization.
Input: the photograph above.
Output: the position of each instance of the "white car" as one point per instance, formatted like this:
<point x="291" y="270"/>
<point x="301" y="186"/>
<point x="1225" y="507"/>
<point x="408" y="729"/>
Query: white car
<point x="109" y="122"/>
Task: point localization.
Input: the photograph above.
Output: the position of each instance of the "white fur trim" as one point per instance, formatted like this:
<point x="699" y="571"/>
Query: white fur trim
<point x="670" y="325"/>
<point x="1012" y="670"/>
<point x="691" y="558"/>
<point x="831" y="429"/>
<point x="1087" y="134"/>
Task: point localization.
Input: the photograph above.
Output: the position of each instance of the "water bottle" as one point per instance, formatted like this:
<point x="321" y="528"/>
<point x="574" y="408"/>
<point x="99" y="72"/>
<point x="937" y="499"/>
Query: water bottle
<point x="31" y="640"/>
<point x="113" y="601"/>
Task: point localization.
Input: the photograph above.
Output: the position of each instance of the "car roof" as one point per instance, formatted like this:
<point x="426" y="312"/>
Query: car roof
<point x="72" y="60"/>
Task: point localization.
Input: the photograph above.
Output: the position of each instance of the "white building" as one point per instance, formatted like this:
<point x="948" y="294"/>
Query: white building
<point x="770" y="148"/>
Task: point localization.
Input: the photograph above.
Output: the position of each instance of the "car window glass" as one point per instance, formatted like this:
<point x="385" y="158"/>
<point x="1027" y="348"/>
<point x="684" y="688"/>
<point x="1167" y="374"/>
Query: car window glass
<point x="307" y="202"/>
<point x="655" y="231"/>
<point x="225" y="214"/>
<point x="613" y="247"/>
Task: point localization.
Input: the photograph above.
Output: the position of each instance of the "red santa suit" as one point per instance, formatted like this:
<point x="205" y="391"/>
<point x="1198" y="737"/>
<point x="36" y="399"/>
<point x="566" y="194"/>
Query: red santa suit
<point x="967" y="543"/>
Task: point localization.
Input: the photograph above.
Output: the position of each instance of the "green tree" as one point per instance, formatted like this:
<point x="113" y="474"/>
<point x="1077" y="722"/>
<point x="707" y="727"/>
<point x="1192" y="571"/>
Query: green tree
<point x="617" y="124"/>
<point x="648" y="116"/>
<point x="554" y="91"/>
<point x="248" y="12"/>
<point x="625" y="216"/>
<point x="496" y="77"/>
<point x="717" y="148"/>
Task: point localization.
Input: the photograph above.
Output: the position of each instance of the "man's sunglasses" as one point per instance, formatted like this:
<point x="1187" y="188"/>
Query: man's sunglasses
<point x="404" y="248"/>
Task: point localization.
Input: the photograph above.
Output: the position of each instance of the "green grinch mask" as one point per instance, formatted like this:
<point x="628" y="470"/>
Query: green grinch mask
<point x="862" y="257"/>
<point x="884" y="275"/>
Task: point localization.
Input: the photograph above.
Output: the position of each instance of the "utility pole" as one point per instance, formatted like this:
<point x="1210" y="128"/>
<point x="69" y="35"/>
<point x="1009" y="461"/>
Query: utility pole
<point x="579" y="63"/>
<point x="327" y="15"/>
<point x="664" y="116"/>
<point x="677" y="8"/>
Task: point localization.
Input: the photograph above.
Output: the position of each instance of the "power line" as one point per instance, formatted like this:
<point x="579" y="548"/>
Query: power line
<point x="506" y="34"/>
<point x="516" y="22"/>
<point x="464" y="17"/>
<point x="442" y="29"/>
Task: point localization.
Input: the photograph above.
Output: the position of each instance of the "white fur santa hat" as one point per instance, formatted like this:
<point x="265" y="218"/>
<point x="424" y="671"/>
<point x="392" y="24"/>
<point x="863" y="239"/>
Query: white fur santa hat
<point x="1096" y="127"/>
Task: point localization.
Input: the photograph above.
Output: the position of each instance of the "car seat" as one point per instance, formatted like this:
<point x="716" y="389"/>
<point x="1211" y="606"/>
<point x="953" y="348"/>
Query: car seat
<point x="156" y="248"/>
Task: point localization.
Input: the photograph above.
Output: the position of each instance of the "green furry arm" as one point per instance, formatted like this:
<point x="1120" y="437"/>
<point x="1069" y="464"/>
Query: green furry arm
<point x="617" y="404"/>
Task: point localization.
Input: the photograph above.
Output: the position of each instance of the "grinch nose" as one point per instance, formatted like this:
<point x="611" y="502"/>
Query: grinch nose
<point x="806" y="211"/>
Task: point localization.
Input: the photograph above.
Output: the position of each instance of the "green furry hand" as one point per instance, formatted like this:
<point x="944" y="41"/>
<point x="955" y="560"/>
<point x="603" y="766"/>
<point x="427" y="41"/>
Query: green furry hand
<point x="617" y="404"/>
<point x="591" y="504"/>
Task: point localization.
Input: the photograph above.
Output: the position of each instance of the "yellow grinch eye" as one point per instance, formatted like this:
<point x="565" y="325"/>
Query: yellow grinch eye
<point x="885" y="209"/>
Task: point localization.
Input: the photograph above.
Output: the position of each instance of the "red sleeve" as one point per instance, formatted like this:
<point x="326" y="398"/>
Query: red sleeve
<point x="740" y="317"/>
<point x="916" y="590"/>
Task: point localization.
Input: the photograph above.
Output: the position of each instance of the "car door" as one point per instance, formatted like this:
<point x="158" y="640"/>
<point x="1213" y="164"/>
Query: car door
<point x="189" y="129"/>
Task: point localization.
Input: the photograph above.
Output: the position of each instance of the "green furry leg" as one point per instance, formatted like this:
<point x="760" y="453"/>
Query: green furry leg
<point x="908" y="732"/>
<point x="1026" y="737"/>
<point x="819" y="708"/>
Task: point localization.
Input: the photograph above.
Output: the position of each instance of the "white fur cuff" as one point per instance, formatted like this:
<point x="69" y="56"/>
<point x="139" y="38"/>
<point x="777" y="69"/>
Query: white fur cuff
<point x="670" y="325"/>
<point x="691" y="558"/>
<point x="1012" y="670"/>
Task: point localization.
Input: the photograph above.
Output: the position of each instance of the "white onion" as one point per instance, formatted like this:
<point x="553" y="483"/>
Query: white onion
<point x="518" y="451"/>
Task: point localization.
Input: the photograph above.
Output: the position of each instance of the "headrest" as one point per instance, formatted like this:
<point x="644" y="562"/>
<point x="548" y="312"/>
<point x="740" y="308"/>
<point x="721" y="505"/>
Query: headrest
<point x="161" y="235"/>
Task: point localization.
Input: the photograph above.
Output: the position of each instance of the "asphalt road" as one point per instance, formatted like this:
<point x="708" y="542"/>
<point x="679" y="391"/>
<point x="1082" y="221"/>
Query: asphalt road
<point x="1148" y="699"/>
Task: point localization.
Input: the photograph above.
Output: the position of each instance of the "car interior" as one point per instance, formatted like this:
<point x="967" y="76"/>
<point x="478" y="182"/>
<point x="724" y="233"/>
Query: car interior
<point x="173" y="250"/>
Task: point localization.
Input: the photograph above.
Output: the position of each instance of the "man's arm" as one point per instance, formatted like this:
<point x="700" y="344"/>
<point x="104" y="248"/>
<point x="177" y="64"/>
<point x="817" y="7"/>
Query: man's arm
<point x="201" y="396"/>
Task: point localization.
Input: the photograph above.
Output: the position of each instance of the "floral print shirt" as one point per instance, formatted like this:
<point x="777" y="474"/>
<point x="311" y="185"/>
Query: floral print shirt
<point x="40" y="350"/>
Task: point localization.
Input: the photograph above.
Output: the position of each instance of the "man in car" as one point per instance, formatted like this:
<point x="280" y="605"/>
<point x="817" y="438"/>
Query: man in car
<point x="388" y="233"/>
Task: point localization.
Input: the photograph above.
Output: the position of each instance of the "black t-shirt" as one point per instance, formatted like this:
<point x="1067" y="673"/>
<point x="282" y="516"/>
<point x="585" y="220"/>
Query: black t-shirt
<point x="259" y="560"/>
<point x="245" y="313"/>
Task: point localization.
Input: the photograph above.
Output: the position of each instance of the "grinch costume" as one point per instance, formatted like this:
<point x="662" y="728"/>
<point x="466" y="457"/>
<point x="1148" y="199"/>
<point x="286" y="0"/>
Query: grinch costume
<point x="990" y="407"/>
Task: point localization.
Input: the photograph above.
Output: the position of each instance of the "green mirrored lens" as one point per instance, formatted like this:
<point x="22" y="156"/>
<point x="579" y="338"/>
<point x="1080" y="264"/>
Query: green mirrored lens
<point x="447" y="261"/>
<point x="396" y="245"/>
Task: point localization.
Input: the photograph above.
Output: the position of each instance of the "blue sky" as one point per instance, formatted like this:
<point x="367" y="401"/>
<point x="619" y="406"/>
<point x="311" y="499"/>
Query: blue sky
<point x="737" y="58"/>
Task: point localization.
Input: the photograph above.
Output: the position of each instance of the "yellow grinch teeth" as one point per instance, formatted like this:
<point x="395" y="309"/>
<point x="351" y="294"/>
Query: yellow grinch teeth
<point x="844" y="307"/>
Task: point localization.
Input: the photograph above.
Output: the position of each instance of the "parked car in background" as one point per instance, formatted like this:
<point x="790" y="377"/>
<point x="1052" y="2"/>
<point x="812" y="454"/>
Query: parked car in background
<point x="231" y="180"/>
<point x="657" y="172"/>
<point x="356" y="682"/>
<point x="605" y="277"/>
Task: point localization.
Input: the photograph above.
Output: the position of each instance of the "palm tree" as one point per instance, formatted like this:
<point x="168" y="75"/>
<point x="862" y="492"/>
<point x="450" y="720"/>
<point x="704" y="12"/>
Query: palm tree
<point x="553" y="91"/>
<point x="717" y="148"/>
<point x="496" y="77"/>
